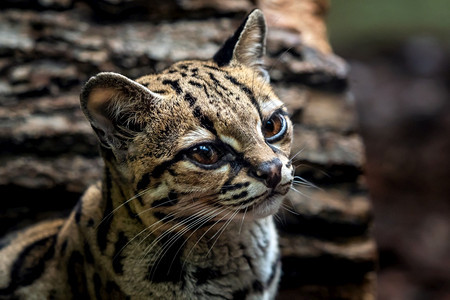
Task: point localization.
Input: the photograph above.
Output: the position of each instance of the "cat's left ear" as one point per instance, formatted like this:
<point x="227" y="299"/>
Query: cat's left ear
<point x="247" y="46"/>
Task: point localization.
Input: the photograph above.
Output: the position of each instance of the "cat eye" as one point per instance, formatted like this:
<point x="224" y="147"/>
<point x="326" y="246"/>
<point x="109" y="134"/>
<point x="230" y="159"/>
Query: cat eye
<point x="274" y="128"/>
<point x="204" y="154"/>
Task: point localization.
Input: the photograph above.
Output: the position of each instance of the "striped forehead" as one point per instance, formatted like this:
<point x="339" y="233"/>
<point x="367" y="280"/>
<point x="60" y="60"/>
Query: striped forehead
<point x="229" y="103"/>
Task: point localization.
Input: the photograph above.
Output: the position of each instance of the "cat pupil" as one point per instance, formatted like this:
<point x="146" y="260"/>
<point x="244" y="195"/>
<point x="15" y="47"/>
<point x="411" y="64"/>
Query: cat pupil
<point x="273" y="126"/>
<point x="205" y="154"/>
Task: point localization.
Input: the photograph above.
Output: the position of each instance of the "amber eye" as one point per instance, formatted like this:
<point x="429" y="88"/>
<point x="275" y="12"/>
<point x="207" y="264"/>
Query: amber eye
<point x="274" y="128"/>
<point x="204" y="154"/>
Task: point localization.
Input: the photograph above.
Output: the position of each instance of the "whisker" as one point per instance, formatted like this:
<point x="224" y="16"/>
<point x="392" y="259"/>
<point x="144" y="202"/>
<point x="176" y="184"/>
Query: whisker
<point x="290" y="210"/>
<point x="303" y="194"/>
<point x="211" y="227"/>
<point x="121" y="205"/>
<point x="295" y="155"/>
<point x="222" y="229"/>
<point x="242" y="222"/>
<point x="167" y="245"/>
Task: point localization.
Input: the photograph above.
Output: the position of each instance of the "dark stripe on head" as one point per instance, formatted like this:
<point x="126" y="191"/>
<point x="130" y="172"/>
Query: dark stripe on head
<point x="190" y="99"/>
<point x="247" y="91"/>
<point x="204" y="120"/>
<point x="196" y="84"/>
<point x="214" y="68"/>
<point x="217" y="82"/>
<point x="160" y="92"/>
<point x="144" y="182"/>
<point x="174" y="84"/>
<point x="184" y="66"/>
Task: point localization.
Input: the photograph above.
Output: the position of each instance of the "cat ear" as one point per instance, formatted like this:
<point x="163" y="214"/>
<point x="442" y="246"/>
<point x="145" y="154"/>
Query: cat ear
<point x="247" y="46"/>
<point x="110" y="102"/>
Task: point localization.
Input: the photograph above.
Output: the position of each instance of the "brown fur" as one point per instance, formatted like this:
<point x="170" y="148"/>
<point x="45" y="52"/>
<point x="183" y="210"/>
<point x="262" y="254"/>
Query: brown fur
<point x="163" y="224"/>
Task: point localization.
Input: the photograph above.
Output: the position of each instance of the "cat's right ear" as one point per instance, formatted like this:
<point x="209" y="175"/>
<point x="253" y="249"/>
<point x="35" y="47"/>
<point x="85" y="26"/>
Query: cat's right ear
<point x="247" y="46"/>
<point x="110" y="102"/>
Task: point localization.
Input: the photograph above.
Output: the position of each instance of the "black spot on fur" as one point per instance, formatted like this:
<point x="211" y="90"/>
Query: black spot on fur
<point x="163" y="92"/>
<point x="88" y="254"/>
<point x="246" y="257"/>
<point x="247" y="91"/>
<point x="204" y="274"/>
<point x="169" y="266"/>
<point x="90" y="222"/>
<point x="229" y="187"/>
<point x="240" y="195"/>
<point x="196" y="84"/>
<point x="76" y="276"/>
<point x="273" y="270"/>
<point x="240" y="294"/>
<point x="257" y="286"/>
<point x="144" y="182"/>
<point x="170" y="200"/>
<point x="174" y="84"/>
<point x="214" y="68"/>
<point x="98" y="286"/>
<point x="190" y="99"/>
<point x="163" y="217"/>
<point x="204" y="120"/>
<point x="25" y="270"/>
<point x="164" y="166"/>
<point x="63" y="247"/>
<point x="217" y="82"/>
<point x="117" y="262"/>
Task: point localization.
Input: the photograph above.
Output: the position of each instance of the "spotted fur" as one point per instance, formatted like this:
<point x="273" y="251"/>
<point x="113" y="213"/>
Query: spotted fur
<point x="196" y="164"/>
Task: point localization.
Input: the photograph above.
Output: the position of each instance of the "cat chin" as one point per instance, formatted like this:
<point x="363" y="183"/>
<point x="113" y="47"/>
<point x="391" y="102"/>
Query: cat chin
<point x="268" y="207"/>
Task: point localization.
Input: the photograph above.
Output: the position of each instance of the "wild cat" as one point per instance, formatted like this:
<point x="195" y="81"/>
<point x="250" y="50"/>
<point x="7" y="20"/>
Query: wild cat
<point x="196" y="164"/>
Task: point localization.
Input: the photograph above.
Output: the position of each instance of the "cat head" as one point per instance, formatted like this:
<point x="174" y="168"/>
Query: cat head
<point x="201" y="136"/>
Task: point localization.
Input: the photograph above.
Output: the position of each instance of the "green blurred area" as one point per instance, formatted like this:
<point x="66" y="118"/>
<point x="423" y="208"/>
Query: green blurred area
<point x="371" y="22"/>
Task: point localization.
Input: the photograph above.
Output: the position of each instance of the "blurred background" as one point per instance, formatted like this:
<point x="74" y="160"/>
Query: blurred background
<point x="399" y="55"/>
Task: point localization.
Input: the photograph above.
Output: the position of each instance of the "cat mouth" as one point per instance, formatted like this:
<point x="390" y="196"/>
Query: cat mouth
<point x="270" y="201"/>
<point x="268" y="205"/>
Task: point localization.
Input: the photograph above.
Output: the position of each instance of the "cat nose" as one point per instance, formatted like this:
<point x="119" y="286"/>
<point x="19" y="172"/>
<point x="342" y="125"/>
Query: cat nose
<point x="269" y="172"/>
